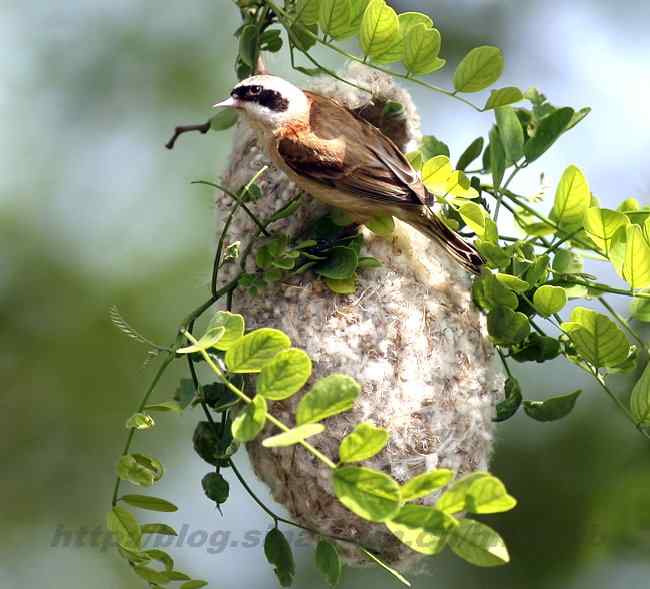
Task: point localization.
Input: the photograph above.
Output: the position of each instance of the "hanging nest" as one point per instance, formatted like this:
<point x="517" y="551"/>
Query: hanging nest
<point x="410" y="335"/>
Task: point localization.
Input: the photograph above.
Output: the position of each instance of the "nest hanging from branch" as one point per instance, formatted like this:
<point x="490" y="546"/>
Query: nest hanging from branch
<point x="410" y="336"/>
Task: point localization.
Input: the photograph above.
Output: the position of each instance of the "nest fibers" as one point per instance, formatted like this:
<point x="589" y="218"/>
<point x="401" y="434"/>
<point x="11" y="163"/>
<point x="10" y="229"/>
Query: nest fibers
<point x="410" y="336"/>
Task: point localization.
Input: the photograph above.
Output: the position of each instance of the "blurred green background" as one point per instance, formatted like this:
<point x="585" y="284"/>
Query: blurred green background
<point x="95" y="212"/>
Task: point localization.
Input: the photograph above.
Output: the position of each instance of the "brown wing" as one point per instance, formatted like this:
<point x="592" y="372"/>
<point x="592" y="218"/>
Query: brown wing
<point x="346" y="152"/>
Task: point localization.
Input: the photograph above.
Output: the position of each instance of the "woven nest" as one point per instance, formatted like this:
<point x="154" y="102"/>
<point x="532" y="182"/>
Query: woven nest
<point x="410" y="336"/>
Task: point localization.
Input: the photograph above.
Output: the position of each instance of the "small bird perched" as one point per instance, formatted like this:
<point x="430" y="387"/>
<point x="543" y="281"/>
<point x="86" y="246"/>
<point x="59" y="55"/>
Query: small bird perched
<point x="342" y="160"/>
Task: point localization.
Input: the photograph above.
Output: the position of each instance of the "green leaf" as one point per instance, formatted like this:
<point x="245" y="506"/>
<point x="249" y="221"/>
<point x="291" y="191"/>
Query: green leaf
<point x="475" y="216"/>
<point x="421" y="48"/>
<point x="331" y="395"/>
<point x="488" y="495"/>
<point x="362" y="443"/>
<point x="148" y="502"/>
<point x="478" y="544"/>
<point x="278" y="552"/>
<point x="536" y="348"/>
<point x="162" y="557"/>
<point x="597" y="338"/>
<point x="368" y="262"/>
<point x="572" y="198"/>
<point x="636" y="264"/>
<point x="552" y="408"/>
<point x="547" y="133"/>
<point x="407" y="20"/>
<point x="538" y="271"/>
<point x="140" y="421"/>
<point x="432" y="147"/>
<point x="248" y="45"/>
<point x="125" y="528"/>
<point x="386" y="567"/>
<point x="422" y="528"/>
<point x="184" y="392"/>
<point x="154" y="577"/>
<point x="139" y="469"/>
<point x="506" y="408"/>
<point x="342" y="285"/>
<point x="256" y="349"/>
<point x="490" y="293"/>
<point x="503" y="97"/>
<point x="328" y="562"/>
<point x="435" y="174"/>
<point x="215" y="487"/>
<point x="640" y="399"/>
<point x="549" y="299"/>
<point x="426" y="483"/>
<point x="162" y="529"/>
<point x="496" y="256"/>
<point x="293" y="436"/>
<point x="178" y="576"/>
<point x="206" y="341"/>
<point x="383" y="225"/>
<point x="480" y="68"/>
<point x="602" y="224"/>
<point x="497" y="157"/>
<point x="379" y="29"/>
<point x="512" y="282"/>
<point x="307" y="11"/>
<point x="232" y="323"/>
<point x="506" y="326"/>
<point x="224" y="119"/>
<point x="340" y="264"/>
<point x="194" y="584"/>
<point x="165" y="407"/>
<point x="511" y="132"/>
<point x="640" y="310"/>
<point x="473" y="150"/>
<point x="454" y="499"/>
<point x="335" y="17"/>
<point x="369" y="493"/>
<point x="567" y="262"/>
<point x="285" y="375"/>
<point x="250" y="421"/>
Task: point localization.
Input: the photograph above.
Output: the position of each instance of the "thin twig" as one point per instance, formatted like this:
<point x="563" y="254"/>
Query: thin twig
<point x="203" y="128"/>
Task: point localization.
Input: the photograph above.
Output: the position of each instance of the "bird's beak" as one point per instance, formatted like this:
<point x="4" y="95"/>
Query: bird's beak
<point x="228" y="102"/>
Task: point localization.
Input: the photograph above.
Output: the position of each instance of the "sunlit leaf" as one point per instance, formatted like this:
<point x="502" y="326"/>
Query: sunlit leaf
<point x="636" y="264"/>
<point x="381" y="225"/>
<point x="421" y="527"/>
<point x="140" y="421"/>
<point x="572" y="197"/>
<point x="285" y="375"/>
<point x="426" y="483"/>
<point x="371" y="494"/>
<point x="602" y="224"/>
<point x="335" y="16"/>
<point x="379" y="29"/>
<point x="250" y="421"/>
<point x="640" y="399"/>
<point x="597" y="338"/>
<point x="503" y="97"/>
<point x="331" y="395"/>
<point x="293" y="436"/>
<point x="362" y="443"/>
<point x="256" y="349"/>
<point x="421" y="48"/>
<point x="478" y="544"/>
<point x="549" y="299"/>
<point x="125" y="528"/>
<point x="480" y="68"/>
<point x="511" y="132"/>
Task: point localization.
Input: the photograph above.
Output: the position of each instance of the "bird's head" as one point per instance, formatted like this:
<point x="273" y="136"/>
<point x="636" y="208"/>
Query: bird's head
<point x="268" y="101"/>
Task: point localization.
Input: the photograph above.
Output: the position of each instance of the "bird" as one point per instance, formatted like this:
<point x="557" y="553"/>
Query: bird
<point x="339" y="158"/>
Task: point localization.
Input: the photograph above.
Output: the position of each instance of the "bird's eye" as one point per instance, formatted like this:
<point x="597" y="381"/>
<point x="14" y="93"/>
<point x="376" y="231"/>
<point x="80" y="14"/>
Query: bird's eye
<point x="255" y="90"/>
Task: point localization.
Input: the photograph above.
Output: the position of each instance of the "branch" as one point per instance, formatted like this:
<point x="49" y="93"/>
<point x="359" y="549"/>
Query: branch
<point x="203" y="128"/>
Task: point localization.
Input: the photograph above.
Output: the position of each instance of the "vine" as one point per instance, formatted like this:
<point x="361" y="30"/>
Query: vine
<point x="526" y="285"/>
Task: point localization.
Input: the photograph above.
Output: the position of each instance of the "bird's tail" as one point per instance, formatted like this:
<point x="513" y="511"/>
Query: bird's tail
<point x="465" y="253"/>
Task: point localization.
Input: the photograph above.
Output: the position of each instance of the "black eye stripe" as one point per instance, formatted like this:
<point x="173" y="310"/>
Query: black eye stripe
<point x="271" y="99"/>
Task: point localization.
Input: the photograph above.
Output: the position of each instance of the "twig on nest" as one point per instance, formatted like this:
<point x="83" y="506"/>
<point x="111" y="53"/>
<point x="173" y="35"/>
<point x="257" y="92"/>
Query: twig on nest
<point x="203" y="128"/>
